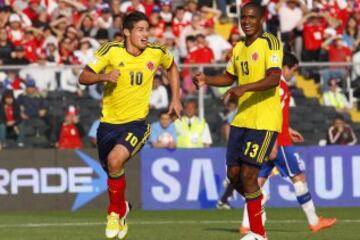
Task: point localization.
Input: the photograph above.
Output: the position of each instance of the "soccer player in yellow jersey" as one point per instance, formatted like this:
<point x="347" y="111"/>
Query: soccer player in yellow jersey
<point x="127" y="71"/>
<point x="256" y="65"/>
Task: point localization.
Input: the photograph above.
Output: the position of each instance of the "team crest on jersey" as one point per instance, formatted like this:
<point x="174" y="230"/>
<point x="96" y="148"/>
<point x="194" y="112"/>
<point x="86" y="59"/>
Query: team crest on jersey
<point x="150" y="65"/>
<point x="255" y="56"/>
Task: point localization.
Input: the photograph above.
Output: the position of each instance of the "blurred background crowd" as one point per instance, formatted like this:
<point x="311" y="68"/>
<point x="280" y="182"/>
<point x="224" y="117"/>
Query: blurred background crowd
<point x="44" y="43"/>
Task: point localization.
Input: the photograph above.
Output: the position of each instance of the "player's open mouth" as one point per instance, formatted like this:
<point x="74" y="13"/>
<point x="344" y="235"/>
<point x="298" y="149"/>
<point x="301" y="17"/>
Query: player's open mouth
<point x="247" y="28"/>
<point x="144" y="40"/>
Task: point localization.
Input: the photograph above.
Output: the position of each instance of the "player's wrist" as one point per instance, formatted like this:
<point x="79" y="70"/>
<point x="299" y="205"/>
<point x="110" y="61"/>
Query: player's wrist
<point x="101" y="77"/>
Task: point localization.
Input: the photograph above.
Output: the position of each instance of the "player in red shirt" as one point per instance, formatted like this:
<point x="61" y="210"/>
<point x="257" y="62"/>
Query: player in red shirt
<point x="287" y="161"/>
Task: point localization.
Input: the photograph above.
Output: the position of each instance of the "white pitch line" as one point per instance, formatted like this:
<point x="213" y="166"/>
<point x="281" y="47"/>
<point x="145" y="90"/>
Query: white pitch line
<point x="76" y="224"/>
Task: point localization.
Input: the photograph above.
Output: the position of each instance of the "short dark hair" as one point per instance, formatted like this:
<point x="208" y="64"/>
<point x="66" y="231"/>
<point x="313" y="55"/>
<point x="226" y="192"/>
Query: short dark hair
<point x="339" y="117"/>
<point x="254" y="4"/>
<point x="132" y="18"/>
<point x="191" y="100"/>
<point x="163" y="112"/>
<point x="190" y="38"/>
<point x="290" y="60"/>
<point x="200" y="35"/>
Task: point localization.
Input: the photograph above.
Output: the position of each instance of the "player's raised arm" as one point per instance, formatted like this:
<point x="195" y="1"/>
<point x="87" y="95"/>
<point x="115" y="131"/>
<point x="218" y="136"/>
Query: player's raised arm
<point x="175" y="104"/>
<point x="92" y="73"/>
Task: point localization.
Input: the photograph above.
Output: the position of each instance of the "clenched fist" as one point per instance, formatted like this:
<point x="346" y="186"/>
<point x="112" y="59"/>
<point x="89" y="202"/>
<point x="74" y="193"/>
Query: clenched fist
<point x="199" y="79"/>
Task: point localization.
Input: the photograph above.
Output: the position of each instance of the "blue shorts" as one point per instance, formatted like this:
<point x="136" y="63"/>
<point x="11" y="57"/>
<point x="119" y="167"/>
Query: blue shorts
<point x="131" y="135"/>
<point x="249" y="146"/>
<point x="288" y="162"/>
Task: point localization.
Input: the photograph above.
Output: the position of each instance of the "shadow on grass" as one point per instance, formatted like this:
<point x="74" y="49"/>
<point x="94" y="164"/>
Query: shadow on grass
<point x="219" y="229"/>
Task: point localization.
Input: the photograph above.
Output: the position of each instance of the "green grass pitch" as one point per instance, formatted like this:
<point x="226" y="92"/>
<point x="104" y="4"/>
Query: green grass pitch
<point x="174" y="225"/>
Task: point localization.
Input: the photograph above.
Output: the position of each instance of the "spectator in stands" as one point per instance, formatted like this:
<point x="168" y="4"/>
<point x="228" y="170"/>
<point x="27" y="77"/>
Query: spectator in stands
<point x="335" y="98"/>
<point x="188" y="87"/>
<point x="230" y="111"/>
<point x="202" y="53"/>
<point x="159" y="97"/>
<point x="86" y="25"/>
<point x="170" y="43"/>
<point x="356" y="66"/>
<point x="16" y="30"/>
<point x="52" y="53"/>
<point x="14" y="83"/>
<point x="33" y="10"/>
<point x="314" y="25"/>
<point x="132" y="5"/>
<point x="95" y="91"/>
<point x="41" y="74"/>
<point x="338" y="52"/>
<point x="116" y="27"/>
<point x="351" y="34"/>
<point x="166" y="13"/>
<point x="18" y="57"/>
<point x="157" y="24"/>
<point x="163" y="132"/>
<point x="33" y="107"/>
<point x="10" y="119"/>
<point x="6" y="47"/>
<point x="217" y="43"/>
<point x="290" y="14"/>
<point x="66" y="8"/>
<point x="93" y="131"/>
<point x="179" y="22"/>
<point x="69" y="82"/>
<point x="31" y="45"/>
<point x="105" y="20"/>
<point x="190" y="30"/>
<point x="341" y="133"/>
<point x="86" y="52"/>
<point x="149" y="6"/>
<point x="191" y="131"/>
<point x="71" y="131"/>
<point x="191" y="7"/>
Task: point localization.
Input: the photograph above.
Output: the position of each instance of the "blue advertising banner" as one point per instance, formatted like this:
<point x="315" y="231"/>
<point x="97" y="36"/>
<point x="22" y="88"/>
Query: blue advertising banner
<point x="193" y="179"/>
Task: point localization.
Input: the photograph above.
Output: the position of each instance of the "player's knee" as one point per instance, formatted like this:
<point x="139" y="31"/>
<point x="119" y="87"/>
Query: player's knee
<point x="233" y="175"/>
<point x="115" y="163"/>
<point x="249" y="181"/>
<point x="249" y="177"/>
<point x="300" y="188"/>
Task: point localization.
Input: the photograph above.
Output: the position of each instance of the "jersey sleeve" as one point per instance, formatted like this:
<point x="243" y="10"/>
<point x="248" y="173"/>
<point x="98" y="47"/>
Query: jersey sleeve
<point x="167" y="59"/>
<point x="230" y="67"/>
<point x="273" y="57"/>
<point x="101" y="58"/>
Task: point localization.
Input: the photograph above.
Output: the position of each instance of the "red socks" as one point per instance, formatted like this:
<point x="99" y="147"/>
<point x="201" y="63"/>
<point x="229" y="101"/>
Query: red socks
<point x="116" y="190"/>
<point x="255" y="211"/>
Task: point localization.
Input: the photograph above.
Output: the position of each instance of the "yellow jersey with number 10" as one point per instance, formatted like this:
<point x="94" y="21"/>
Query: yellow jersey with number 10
<point x="259" y="110"/>
<point x="128" y="99"/>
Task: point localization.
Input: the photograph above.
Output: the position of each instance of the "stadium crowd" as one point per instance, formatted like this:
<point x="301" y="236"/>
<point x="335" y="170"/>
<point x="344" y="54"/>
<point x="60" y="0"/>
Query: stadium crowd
<point x="43" y="34"/>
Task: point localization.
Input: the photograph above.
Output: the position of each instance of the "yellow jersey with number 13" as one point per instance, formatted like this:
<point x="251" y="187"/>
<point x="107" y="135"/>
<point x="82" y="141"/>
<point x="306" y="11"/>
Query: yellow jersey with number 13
<point x="259" y="110"/>
<point x="128" y="99"/>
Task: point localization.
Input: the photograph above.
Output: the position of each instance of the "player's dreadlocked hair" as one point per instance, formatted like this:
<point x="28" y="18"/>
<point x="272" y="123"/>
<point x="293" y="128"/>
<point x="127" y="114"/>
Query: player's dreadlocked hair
<point x="132" y="18"/>
<point x="255" y="4"/>
<point x="290" y="60"/>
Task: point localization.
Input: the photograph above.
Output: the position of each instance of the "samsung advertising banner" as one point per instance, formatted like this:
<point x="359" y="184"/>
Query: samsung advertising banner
<point x="193" y="179"/>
